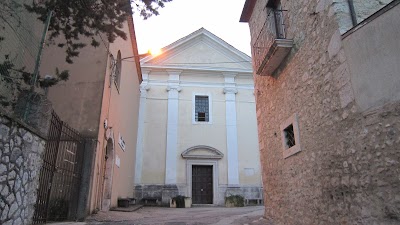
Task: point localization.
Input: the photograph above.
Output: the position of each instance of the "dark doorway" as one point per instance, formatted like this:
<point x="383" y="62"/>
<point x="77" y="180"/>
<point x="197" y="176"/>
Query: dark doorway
<point x="108" y="176"/>
<point x="202" y="184"/>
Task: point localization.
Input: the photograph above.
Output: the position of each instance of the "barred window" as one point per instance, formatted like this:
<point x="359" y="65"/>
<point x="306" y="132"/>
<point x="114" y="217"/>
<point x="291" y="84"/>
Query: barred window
<point x="201" y="109"/>
<point x="289" y="136"/>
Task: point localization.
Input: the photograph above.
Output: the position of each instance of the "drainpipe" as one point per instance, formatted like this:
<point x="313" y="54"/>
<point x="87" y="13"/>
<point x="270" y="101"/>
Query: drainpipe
<point x="352" y="12"/>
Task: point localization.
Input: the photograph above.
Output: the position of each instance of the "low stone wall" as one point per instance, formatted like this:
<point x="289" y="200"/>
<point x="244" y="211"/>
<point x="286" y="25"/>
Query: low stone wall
<point x="20" y="162"/>
<point x="249" y="193"/>
<point x="165" y="192"/>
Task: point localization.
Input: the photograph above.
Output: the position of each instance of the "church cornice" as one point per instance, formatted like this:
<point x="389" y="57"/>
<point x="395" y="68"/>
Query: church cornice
<point x="188" y="68"/>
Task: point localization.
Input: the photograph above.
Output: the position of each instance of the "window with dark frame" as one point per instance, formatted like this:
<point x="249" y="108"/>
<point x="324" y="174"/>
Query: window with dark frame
<point x="277" y="10"/>
<point x="201" y="109"/>
<point x="289" y="136"/>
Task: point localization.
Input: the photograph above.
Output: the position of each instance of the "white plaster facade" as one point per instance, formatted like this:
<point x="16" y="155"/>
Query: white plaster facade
<point x="200" y="64"/>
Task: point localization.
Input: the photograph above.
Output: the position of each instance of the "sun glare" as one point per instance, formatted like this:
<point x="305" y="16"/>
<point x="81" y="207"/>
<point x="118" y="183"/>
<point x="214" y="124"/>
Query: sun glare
<point x="155" y="51"/>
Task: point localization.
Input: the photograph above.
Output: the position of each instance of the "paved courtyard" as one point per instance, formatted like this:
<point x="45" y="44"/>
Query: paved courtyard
<point x="171" y="216"/>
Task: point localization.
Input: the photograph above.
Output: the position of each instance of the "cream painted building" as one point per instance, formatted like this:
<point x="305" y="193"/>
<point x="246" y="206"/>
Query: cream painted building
<point x="101" y="101"/>
<point x="197" y="130"/>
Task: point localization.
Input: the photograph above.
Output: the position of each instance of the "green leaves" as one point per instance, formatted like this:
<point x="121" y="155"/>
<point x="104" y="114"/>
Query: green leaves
<point x="64" y="75"/>
<point x="49" y="81"/>
<point x="95" y="43"/>
<point x="11" y="75"/>
<point x="75" y="19"/>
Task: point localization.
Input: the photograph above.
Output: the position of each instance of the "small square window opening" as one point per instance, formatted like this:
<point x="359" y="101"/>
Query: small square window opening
<point x="290" y="136"/>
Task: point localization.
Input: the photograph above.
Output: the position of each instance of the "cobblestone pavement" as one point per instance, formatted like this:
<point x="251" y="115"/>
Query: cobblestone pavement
<point x="171" y="216"/>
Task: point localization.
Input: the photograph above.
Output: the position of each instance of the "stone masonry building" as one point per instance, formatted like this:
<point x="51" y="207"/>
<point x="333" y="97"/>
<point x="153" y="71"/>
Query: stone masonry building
<point x="327" y="87"/>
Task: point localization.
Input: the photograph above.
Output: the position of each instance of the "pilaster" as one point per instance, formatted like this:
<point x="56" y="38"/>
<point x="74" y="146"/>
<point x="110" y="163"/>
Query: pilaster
<point x="144" y="87"/>
<point x="172" y="126"/>
<point x="230" y="92"/>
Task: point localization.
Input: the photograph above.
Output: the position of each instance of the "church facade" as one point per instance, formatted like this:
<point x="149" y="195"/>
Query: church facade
<point x="197" y="129"/>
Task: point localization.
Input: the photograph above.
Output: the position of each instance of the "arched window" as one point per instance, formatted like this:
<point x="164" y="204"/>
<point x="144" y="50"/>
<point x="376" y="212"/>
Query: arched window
<point x="118" y="68"/>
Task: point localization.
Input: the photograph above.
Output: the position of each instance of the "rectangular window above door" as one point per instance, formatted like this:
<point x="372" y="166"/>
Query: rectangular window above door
<point x="202" y="108"/>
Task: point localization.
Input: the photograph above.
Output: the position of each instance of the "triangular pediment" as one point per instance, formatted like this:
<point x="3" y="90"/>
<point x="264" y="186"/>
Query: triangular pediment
<point x="202" y="152"/>
<point x="201" y="49"/>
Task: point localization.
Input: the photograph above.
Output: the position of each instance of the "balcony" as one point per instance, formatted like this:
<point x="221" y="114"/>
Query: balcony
<point x="271" y="46"/>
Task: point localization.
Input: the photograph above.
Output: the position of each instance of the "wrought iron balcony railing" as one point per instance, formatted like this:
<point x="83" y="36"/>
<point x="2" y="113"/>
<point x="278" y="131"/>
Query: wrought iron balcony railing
<point x="271" y="46"/>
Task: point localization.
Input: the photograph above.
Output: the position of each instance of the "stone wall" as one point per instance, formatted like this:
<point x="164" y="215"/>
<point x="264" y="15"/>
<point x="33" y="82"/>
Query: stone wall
<point x="248" y="193"/>
<point x="20" y="163"/>
<point x="363" y="9"/>
<point x="360" y="178"/>
<point x="163" y="193"/>
<point x="348" y="166"/>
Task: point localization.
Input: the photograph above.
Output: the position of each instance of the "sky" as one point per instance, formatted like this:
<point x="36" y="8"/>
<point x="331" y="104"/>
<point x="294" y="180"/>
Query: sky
<point x="182" y="17"/>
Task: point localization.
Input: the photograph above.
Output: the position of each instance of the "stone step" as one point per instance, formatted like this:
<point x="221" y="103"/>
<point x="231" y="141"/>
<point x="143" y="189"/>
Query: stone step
<point x="131" y="208"/>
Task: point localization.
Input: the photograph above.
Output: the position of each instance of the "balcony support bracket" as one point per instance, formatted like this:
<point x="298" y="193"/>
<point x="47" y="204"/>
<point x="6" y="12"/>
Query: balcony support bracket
<point x="274" y="57"/>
